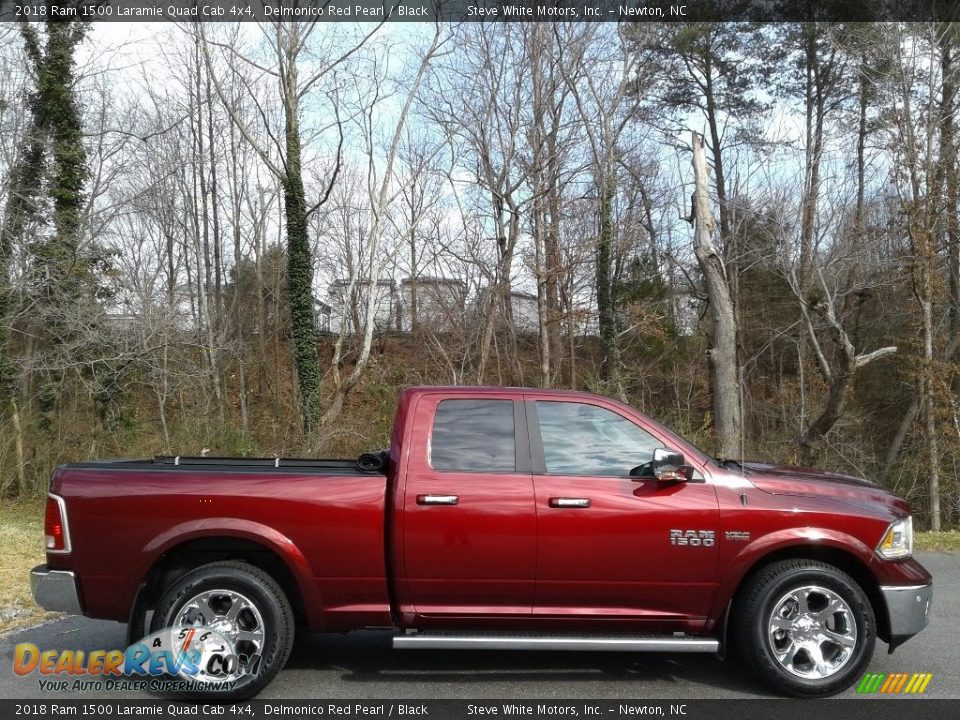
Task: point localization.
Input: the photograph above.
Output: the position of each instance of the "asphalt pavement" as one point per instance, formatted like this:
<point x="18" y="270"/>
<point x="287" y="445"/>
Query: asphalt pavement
<point x="362" y="665"/>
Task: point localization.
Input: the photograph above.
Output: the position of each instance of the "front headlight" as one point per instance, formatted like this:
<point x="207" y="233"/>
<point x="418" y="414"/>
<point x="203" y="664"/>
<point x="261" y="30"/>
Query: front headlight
<point x="898" y="541"/>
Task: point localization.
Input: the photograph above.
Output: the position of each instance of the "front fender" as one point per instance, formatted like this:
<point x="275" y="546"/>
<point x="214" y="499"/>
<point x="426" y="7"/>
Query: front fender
<point x="749" y="556"/>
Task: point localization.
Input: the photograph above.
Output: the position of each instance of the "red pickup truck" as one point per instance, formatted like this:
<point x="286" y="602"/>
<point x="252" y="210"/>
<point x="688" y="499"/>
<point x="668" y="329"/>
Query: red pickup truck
<point x="502" y="518"/>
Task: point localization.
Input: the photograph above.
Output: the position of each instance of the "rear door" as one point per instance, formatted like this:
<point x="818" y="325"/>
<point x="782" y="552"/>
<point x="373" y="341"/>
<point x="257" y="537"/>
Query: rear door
<point x="607" y="545"/>
<point x="469" y="522"/>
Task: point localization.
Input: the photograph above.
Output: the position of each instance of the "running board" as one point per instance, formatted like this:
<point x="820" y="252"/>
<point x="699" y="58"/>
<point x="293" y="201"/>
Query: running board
<point x="525" y="641"/>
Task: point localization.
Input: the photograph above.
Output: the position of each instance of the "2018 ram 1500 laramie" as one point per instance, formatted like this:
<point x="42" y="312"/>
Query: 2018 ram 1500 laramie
<point x="503" y="518"/>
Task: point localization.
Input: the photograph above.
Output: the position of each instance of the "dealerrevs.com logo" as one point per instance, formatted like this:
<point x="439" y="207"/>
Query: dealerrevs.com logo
<point x="174" y="660"/>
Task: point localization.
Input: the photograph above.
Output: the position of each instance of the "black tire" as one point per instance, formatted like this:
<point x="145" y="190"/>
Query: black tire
<point x="757" y="635"/>
<point x="262" y="596"/>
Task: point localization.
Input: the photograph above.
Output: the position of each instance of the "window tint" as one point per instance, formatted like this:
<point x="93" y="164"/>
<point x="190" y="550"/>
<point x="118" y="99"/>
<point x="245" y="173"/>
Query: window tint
<point x="580" y="439"/>
<point x="473" y="436"/>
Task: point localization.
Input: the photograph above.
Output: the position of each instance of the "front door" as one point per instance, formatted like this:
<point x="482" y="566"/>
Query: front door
<point x="608" y="543"/>
<point x="469" y="522"/>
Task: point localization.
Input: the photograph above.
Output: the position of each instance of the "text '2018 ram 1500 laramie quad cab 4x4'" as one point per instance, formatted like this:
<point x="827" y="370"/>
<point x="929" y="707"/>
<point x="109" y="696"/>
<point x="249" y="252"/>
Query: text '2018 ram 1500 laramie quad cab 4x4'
<point x="501" y="518"/>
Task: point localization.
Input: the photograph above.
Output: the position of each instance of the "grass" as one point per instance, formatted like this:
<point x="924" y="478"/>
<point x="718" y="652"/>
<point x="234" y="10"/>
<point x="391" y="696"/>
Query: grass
<point x="937" y="541"/>
<point x="21" y="549"/>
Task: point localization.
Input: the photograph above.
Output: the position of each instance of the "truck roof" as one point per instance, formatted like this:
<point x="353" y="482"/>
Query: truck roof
<point x="483" y="389"/>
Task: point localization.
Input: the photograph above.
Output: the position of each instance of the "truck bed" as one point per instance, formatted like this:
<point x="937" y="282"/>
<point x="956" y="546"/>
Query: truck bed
<point x="324" y="519"/>
<point x="266" y="465"/>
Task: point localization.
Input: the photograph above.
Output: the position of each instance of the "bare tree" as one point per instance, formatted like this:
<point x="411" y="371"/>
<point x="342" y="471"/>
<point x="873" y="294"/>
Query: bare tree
<point x="727" y="408"/>
<point x="606" y="111"/>
<point x="549" y="139"/>
<point x="382" y="192"/>
<point x="289" y="44"/>
<point x="477" y="99"/>
<point x="917" y="170"/>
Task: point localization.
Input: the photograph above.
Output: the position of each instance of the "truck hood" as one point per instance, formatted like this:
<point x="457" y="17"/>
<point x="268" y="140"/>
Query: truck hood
<point x="792" y="480"/>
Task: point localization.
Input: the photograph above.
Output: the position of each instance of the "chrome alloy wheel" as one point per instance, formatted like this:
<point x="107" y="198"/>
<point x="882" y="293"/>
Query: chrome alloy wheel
<point x="234" y="617"/>
<point x="812" y="632"/>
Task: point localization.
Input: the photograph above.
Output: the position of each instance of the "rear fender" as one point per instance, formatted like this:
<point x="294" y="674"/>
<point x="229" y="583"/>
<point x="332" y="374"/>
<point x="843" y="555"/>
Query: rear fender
<point x="255" y="532"/>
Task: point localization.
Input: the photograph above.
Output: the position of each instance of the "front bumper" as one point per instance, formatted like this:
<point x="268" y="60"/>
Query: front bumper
<point x="55" y="590"/>
<point x="908" y="609"/>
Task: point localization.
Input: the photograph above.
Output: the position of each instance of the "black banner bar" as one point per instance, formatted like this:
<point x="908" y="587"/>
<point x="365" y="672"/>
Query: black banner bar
<point x="866" y="708"/>
<point x="480" y="10"/>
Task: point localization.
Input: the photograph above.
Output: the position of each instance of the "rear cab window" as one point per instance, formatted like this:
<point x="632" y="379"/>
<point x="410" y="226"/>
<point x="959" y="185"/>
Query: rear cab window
<point x="474" y="435"/>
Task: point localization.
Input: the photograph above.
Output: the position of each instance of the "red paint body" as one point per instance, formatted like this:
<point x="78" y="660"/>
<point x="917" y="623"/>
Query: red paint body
<point x="364" y="553"/>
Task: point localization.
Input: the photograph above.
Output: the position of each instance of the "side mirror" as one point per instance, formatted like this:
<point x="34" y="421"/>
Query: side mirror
<point x="668" y="466"/>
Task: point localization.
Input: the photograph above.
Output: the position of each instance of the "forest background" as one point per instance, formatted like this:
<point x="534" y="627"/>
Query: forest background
<point x="247" y="238"/>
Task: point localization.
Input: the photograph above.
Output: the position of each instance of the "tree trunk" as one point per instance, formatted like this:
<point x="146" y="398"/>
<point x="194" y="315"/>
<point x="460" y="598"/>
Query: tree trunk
<point x="551" y="257"/>
<point x="238" y="310"/>
<point x="730" y="253"/>
<point x="833" y="410"/>
<point x="18" y="448"/>
<point x="414" y="309"/>
<point x="606" y="309"/>
<point x="927" y="384"/>
<point x="162" y="391"/>
<point x="498" y="302"/>
<point x="299" y="264"/>
<point x="903" y="427"/>
<point x="930" y="416"/>
<point x="215" y="211"/>
<point x="728" y="422"/>
<point x="540" y="272"/>
<point x="814" y="106"/>
<point x="950" y="181"/>
<point x="21" y="208"/>
<point x="300" y="286"/>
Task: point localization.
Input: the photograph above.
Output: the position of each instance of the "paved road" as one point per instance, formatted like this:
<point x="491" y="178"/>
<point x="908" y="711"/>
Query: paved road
<point x="363" y="666"/>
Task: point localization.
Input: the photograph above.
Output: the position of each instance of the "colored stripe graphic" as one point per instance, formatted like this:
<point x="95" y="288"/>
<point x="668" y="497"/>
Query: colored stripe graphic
<point x="914" y="683"/>
<point x="894" y="683"/>
<point x="900" y="682"/>
<point x="871" y="682"/>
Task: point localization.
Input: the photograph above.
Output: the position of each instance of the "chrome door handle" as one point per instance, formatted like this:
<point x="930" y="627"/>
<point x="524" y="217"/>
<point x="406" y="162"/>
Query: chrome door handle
<point x="438" y="499"/>
<point x="558" y="502"/>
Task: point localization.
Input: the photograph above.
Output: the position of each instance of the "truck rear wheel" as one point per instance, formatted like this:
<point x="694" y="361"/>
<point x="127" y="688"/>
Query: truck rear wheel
<point x="806" y="628"/>
<point x="242" y="605"/>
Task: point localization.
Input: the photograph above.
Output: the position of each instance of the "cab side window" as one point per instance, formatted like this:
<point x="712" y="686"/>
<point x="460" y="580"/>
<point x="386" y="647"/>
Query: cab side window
<point x="582" y="439"/>
<point x="473" y="436"/>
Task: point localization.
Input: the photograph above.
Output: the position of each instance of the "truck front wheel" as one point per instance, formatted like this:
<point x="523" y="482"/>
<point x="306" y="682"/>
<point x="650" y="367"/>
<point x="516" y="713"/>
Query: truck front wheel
<point x="805" y="627"/>
<point x="242" y="629"/>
